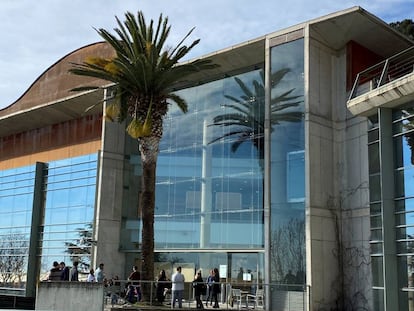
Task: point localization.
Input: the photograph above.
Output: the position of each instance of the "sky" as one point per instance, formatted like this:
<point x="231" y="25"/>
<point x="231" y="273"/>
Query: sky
<point x="36" y="34"/>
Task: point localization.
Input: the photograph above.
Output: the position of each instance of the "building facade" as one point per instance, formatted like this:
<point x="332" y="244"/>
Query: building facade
<point x="273" y="175"/>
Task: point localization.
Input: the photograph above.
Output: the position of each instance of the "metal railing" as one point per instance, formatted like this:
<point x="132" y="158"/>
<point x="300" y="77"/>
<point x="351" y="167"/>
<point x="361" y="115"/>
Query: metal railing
<point x="283" y="297"/>
<point x="384" y="72"/>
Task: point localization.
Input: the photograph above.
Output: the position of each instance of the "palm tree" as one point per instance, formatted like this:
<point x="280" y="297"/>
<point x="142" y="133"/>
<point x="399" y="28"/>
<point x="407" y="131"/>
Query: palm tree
<point x="247" y="120"/>
<point x="144" y="72"/>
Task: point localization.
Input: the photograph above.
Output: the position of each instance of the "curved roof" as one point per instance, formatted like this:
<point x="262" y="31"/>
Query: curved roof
<point x="51" y="97"/>
<point x="49" y="100"/>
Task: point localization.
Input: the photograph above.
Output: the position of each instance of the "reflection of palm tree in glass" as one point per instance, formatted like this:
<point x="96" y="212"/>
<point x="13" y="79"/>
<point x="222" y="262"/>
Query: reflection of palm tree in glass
<point x="410" y="138"/>
<point x="247" y="120"/>
<point x="408" y="128"/>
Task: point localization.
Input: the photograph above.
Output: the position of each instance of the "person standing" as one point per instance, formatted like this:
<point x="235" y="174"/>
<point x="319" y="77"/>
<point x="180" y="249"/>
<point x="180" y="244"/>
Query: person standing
<point x="54" y="273"/>
<point x="161" y="286"/>
<point x="210" y="281"/>
<point x="216" y="287"/>
<point x="64" y="276"/>
<point x="177" y="288"/>
<point x="134" y="279"/>
<point x="74" y="274"/>
<point x="91" y="276"/>
<point x="199" y="289"/>
<point x="99" y="273"/>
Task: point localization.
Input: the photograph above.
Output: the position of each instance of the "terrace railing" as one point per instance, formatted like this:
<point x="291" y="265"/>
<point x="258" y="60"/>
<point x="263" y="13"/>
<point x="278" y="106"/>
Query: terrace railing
<point x="384" y="72"/>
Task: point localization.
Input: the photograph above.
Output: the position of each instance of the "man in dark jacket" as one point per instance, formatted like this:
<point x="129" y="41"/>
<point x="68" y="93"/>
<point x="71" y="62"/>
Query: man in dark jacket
<point x="54" y="273"/>
<point x="64" y="276"/>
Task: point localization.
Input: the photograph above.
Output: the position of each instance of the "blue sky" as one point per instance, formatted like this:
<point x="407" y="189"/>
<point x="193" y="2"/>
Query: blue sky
<point x="35" y="34"/>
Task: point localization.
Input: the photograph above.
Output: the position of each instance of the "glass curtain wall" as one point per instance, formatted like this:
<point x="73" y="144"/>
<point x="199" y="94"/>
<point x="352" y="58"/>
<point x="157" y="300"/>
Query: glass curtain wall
<point x="403" y="207"/>
<point x="16" y="202"/>
<point x="287" y="142"/>
<point x="69" y="212"/>
<point x="403" y="141"/>
<point x="376" y="241"/>
<point x="209" y="192"/>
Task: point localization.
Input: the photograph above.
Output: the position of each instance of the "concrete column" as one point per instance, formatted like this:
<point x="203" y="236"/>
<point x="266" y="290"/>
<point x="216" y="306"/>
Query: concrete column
<point x="388" y="218"/>
<point x="109" y="198"/>
<point x="33" y="268"/>
<point x="206" y="199"/>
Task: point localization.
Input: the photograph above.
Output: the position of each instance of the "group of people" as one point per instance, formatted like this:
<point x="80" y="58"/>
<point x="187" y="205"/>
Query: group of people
<point x="214" y="288"/>
<point x="210" y="288"/>
<point x="60" y="272"/>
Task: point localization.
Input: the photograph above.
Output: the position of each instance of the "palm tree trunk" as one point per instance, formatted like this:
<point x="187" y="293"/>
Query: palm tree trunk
<point x="149" y="152"/>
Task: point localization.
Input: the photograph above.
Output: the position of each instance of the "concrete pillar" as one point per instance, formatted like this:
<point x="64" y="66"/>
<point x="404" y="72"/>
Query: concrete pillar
<point x="388" y="218"/>
<point x="33" y="268"/>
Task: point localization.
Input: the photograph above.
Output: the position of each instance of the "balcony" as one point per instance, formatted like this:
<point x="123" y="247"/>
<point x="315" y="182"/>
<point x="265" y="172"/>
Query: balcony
<point x="387" y="84"/>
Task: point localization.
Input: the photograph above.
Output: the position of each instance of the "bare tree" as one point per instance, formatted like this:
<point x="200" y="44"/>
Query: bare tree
<point x="288" y="252"/>
<point x="14" y="249"/>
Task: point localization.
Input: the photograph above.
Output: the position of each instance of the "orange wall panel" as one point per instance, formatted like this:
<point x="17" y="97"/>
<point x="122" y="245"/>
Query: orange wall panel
<point x="57" y="141"/>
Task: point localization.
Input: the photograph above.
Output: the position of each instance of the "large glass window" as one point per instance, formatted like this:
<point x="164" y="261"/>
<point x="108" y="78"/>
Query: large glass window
<point x="287" y="163"/>
<point x="16" y="202"/>
<point x="209" y="190"/>
<point x="403" y="136"/>
<point x="69" y="211"/>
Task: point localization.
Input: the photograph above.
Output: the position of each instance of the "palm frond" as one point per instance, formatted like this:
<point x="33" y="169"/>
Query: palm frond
<point x="181" y="103"/>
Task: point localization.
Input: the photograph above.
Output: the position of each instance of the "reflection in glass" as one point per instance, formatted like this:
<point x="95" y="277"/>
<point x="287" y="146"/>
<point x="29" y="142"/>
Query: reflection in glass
<point x="288" y="170"/>
<point x="208" y="195"/>
<point x="373" y="158"/>
<point x="16" y="201"/>
<point x="377" y="271"/>
<point x="69" y="212"/>
<point x="245" y="119"/>
<point x="378" y="298"/>
<point x="375" y="188"/>
<point x="403" y="188"/>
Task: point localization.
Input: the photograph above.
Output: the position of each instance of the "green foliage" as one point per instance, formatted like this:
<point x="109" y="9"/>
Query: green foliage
<point x="143" y="69"/>
<point x="405" y="26"/>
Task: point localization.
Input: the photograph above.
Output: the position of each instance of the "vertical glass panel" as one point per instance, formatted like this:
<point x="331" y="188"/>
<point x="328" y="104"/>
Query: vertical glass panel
<point x="246" y="269"/>
<point x="209" y="190"/>
<point x="404" y="205"/>
<point x="373" y="135"/>
<point x="399" y="156"/>
<point x="375" y="208"/>
<point x="403" y="130"/>
<point x="374" y="188"/>
<point x="376" y="221"/>
<point x="378" y="297"/>
<point x="404" y="218"/>
<point x="404" y="183"/>
<point x="374" y="158"/>
<point x="287" y="162"/>
<point x="406" y="271"/>
<point x="373" y="123"/>
<point x="406" y="247"/>
<point x="376" y="248"/>
<point x="16" y="202"/>
<point x="69" y="211"/>
<point x="377" y="271"/>
<point x="376" y="234"/>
